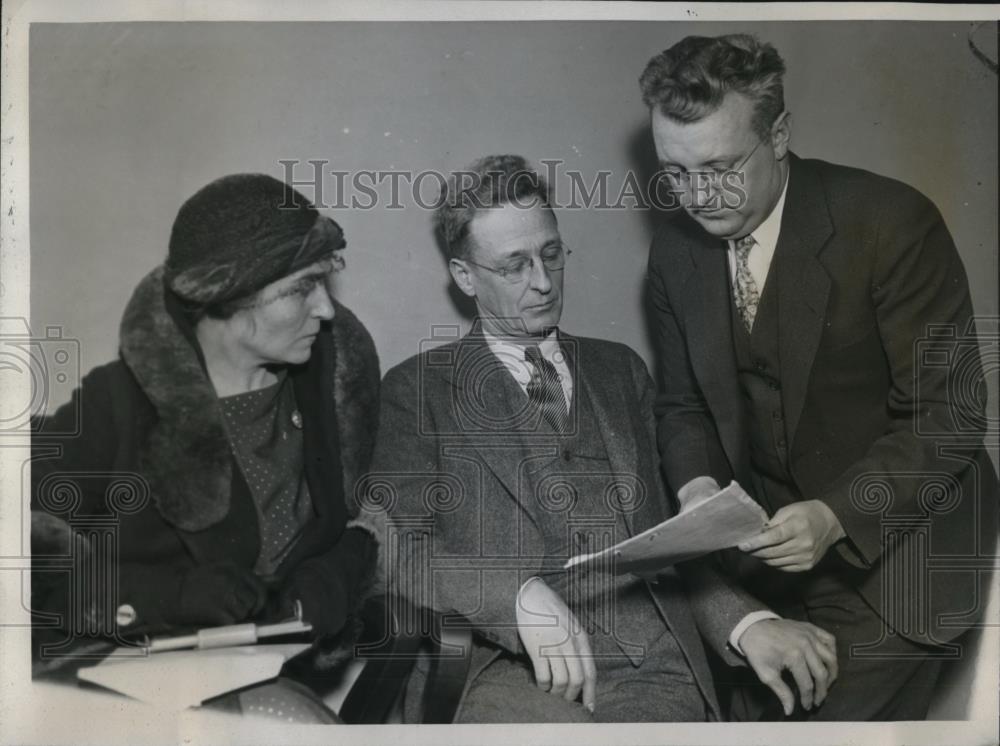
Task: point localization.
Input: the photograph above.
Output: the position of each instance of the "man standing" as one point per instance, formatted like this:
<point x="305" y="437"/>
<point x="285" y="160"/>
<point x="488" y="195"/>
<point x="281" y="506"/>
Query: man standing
<point x="505" y="452"/>
<point x="792" y="298"/>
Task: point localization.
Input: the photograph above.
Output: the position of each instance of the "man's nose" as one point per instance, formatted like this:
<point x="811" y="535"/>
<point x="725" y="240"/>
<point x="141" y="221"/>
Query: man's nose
<point x="540" y="279"/>
<point x="704" y="189"/>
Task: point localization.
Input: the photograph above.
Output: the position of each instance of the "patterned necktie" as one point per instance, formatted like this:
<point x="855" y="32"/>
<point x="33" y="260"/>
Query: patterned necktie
<point x="747" y="296"/>
<point x="544" y="389"/>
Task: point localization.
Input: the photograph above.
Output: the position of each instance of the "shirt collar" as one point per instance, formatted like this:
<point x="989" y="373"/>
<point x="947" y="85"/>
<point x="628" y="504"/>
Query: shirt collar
<point x="766" y="234"/>
<point x="505" y="348"/>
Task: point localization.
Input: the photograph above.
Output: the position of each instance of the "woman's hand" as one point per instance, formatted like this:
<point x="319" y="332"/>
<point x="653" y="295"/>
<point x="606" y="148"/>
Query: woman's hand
<point x="323" y="597"/>
<point x="331" y="586"/>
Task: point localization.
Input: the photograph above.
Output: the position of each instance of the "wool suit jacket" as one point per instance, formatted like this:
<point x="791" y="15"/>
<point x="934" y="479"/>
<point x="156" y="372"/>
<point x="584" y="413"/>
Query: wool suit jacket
<point x="878" y="372"/>
<point x="456" y="442"/>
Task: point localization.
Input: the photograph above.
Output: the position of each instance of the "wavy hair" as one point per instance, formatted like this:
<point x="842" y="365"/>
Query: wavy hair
<point x="488" y="182"/>
<point x="689" y="81"/>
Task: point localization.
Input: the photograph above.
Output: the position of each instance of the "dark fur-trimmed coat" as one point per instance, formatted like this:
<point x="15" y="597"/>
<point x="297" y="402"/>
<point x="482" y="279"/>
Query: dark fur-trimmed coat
<point x="142" y="444"/>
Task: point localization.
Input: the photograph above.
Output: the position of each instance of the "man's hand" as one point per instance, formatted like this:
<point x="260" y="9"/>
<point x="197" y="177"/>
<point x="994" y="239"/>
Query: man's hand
<point x="558" y="646"/>
<point x="808" y="652"/>
<point x="797" y="536"/>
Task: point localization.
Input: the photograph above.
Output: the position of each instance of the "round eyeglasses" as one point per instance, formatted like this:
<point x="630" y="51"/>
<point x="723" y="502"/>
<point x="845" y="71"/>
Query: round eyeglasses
<point x="707" y="177"/>
<point x="517" y="270"/>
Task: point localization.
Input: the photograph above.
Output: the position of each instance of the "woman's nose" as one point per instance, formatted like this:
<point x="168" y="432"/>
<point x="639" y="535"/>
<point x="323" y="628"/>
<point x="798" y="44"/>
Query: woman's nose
<point x="322" y="303"/>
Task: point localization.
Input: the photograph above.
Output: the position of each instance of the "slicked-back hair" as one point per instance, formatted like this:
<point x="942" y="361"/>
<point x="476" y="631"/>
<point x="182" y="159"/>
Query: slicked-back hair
<point x="690" y="80"/>
<point x="489" y="182"/>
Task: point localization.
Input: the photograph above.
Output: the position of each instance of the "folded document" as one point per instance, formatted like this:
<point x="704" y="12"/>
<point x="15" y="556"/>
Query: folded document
<point x="185" y="670"/>
<point x="718" y="522"/>
<point x="185" y="678"/>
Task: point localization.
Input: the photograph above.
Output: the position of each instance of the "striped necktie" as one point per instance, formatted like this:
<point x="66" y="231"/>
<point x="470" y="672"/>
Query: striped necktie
<point x="746" y="294"/>
<point x="544" y="389"/>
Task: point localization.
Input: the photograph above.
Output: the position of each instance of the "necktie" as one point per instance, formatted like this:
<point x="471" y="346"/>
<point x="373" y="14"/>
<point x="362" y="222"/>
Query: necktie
<point x="544" y="389"/>
<point x="747" y="296"/>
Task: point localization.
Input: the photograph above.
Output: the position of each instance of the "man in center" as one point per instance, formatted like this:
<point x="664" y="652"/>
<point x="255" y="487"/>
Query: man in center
<point x="503" y="453"/>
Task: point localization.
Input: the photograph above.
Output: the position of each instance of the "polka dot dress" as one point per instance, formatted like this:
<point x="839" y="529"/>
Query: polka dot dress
<point x="263" y="428"/>
<point x="285" y="701"/>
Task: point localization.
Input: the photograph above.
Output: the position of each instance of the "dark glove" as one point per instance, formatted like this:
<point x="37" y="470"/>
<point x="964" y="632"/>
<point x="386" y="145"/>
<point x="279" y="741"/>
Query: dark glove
<point x="331" y="585"/>
<point x="323" y="598"/>
<point x="219" y="593"/>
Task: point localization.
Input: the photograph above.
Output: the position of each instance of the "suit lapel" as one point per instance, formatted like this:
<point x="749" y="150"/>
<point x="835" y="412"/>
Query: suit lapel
<point x="493" y="416"/>
<point x="710" y="342"/>
<point x="803" y="286"/>
<point x="611" y="413"/>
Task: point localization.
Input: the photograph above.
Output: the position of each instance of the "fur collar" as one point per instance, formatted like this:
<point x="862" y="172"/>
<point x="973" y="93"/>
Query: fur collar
<point x="186" y="456"/>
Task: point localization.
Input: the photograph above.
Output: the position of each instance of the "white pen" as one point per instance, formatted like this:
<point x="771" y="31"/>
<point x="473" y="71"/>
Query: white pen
<point x="230" y="635"/>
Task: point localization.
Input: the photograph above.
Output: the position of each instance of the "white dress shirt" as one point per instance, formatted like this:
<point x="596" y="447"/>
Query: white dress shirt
<point x="766" y="237"/>
<point x="511" y="354"/>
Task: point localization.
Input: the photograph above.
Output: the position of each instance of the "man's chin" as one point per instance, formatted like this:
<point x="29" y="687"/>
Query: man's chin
<point x="720" y="223"/>
<point x="542" y="322"/>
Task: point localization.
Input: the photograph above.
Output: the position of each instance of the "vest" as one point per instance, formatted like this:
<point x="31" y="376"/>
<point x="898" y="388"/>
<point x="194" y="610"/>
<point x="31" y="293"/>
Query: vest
<point x="570" y="503"/>
<point x="758" y="367"/>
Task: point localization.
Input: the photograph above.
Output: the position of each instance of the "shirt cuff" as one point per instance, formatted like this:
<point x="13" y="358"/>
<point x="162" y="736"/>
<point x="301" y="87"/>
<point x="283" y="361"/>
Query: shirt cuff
<point x="744" y="625"/>
<point x="700" y="486"/>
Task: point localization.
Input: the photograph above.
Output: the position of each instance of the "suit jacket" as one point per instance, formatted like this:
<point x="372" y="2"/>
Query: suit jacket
<point x="882" y="421"/>
<point x="456" y="438"/>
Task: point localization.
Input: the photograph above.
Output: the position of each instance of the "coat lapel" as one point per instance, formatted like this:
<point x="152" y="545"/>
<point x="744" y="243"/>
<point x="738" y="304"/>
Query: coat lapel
<point x="321" y="455"/>
<point x="803" y="293"/>
<point x="493" y="417"/>
<point x="710" y="342"/>
<point x="803" y="286"/>
<point x="609" y="408"/>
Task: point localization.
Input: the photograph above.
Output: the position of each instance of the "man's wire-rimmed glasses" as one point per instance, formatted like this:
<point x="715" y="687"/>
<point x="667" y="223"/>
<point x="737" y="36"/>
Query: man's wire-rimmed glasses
<point x="517" y="270"/>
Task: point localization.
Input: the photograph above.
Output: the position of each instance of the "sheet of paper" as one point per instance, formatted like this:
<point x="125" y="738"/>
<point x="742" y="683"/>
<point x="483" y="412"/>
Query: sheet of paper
<point x="720" y="521"/>
<point x="185" y="678"/>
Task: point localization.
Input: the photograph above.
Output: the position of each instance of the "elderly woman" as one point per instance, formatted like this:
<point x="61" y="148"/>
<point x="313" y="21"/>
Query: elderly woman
<point x="236" y="421"/>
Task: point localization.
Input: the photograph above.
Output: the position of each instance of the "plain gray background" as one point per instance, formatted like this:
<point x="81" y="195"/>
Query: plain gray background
<point x="129" y="119"/>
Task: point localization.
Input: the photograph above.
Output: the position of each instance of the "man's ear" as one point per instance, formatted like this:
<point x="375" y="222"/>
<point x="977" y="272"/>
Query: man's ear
<point x="781" y="134"/>
<point x="462" y="277"/>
